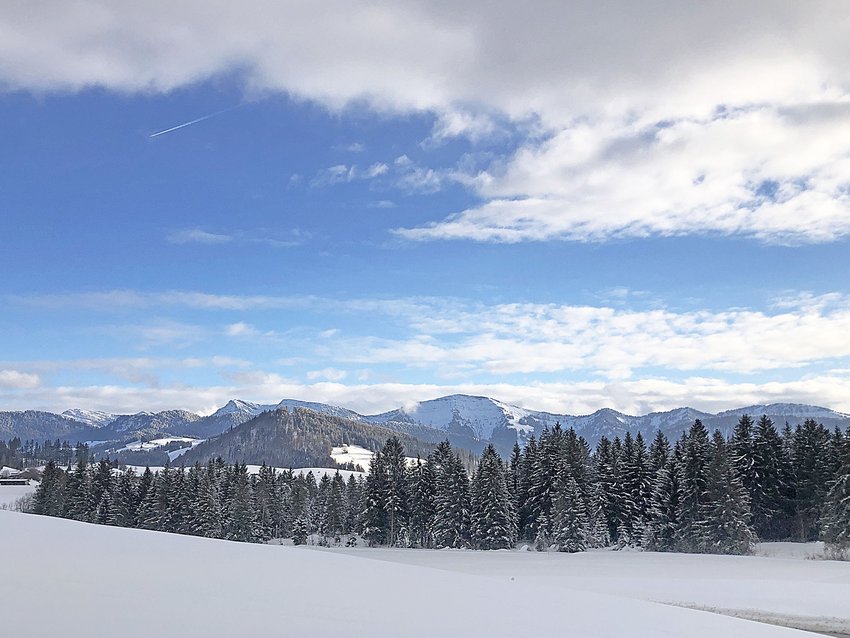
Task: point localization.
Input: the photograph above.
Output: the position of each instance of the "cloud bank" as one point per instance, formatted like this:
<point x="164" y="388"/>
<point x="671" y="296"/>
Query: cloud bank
<point x="651" y="118"/>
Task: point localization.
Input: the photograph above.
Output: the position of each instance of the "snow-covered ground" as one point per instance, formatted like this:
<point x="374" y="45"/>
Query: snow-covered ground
<point x="359" y="456"/>
<point x="155" y="444"/>
<point x="11" y="493"/>
<point x="353" y="454"/>
<point x="791" y="550"/>
<point x="293" y="591"/>
<point x="811" y="594"/>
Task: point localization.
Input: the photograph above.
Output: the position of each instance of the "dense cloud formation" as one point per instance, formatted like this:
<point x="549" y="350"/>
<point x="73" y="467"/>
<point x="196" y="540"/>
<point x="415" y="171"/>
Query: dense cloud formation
<point x="651" y="118"/>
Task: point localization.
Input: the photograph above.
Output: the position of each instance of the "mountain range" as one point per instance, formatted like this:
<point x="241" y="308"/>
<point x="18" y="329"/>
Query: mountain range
<point x="470" y="421"/>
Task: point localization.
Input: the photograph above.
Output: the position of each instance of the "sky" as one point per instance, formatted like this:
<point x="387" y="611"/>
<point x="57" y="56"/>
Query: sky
<point x="565" y="205"/>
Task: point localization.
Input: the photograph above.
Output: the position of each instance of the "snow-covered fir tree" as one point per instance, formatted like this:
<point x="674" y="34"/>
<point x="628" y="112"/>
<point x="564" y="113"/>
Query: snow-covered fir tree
<point x="570" y="527"/>
<point x="725" y="518"/>
<point x="423" y="493"/>
<point x="452" y="502"/>
<point x="493" y="519"/>
<point x="693" y="468"/>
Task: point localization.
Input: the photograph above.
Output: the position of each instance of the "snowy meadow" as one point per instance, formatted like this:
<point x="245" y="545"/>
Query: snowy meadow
<point x="136" y="582"/>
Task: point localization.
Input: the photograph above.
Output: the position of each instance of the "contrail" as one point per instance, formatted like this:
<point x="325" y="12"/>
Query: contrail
<point x="200" y="119"/>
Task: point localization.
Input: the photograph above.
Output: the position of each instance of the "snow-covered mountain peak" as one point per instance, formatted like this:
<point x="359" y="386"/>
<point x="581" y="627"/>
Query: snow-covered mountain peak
<point x="475" y="415"/>
<point x="238" y="406"/>
<point x="322" y="408"/>
<point x="94" y="418"/>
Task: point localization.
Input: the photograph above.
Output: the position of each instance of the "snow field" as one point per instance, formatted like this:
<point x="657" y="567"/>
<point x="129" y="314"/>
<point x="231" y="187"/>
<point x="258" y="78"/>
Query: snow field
<point x="147" y="446"/>
<point x="812" y="594"/>
<point x="208" y="588"/>
<point x="359" y="456"/>
<point x="11" y="493"/>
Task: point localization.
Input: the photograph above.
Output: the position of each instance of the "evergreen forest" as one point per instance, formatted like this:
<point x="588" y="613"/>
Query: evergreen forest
<point x="702" y="493"/>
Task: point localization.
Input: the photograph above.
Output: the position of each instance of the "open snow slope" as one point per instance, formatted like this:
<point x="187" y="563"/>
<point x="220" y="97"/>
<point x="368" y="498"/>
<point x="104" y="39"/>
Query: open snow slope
<point x="11" y="493"/>
<point x="810" y="594"/>
<point x="206" y="588"/>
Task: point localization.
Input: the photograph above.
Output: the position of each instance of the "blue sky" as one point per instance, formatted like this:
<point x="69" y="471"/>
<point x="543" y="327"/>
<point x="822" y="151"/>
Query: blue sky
<point x="399" y="203"/>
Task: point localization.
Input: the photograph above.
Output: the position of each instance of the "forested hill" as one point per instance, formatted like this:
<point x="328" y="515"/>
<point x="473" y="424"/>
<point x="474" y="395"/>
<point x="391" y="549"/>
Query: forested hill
<point x="298" y="438"/>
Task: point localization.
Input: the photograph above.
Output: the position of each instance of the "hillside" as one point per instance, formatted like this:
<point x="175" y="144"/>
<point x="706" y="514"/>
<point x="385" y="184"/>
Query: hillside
<point x="298" y="438"/>
<point x="40" y="426"/>
<point x="289" y="591"/>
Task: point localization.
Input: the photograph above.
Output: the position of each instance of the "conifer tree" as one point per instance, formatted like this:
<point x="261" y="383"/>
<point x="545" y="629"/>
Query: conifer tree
<point x="597" y="528"/>
<point x="569" y="517"/>
<point x="423" y="491"/>
<point x="608" y="481"/>
<point x="725" y="520"/>
<point x="743" y="453"/>
<point x="241" y="519"/>
<point x="636" y="489"/>
<point x="811" y="447"/>
<point x="299" y="531"/>
<point x="769" y="494"/>
<point x="492" y="517"/>
<point x="145" y="485"/>
<point x="452" y="516"/>
<point x="321" y="505"/>
<point x="104" y="514"/>
<point x="177" y="504"/>
<point x="395" y="503"/>
<point x="48" y="495"/>
<point x="835" y="522"/>
<point x="693" y="482"/>
<point x="77" y="503"/>
<point x="335" y="508"/>
<point x="525" y="520"/>
<point x="375" y="516"/>
<point x="124" y="500"/>
<point x="513" y="475"/>
<point x="662" y="529"/>
<point x="354" y="509"/>
<point x="548" y="464"/>
<point x="659" y="451"/>
<point x="206" y="507"/>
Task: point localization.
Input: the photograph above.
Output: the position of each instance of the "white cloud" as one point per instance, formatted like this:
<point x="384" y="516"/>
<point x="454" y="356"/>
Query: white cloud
<point x="241" y="329"/>
<point x="16" y="380"/>
<point x="611" y="340"/>
<point x="727" y="174"/>
<point x="451" y="124"/>
<point x="616" y="343"/>
<point x="196" y="236"/>
<point x="330" y="374"/>
<point x="652" y="118"/>
<point x="382" y="203"/>
<point x="344" y="173"/>
<point x="375" y="170"/>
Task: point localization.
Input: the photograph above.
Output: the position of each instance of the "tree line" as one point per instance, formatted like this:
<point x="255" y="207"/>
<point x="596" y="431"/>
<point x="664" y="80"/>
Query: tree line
<point x="20" y="454"/>
<point x="703" y="493"/>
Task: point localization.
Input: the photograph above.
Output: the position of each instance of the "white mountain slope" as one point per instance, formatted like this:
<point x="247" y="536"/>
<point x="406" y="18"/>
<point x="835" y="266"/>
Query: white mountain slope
<point x="480" y="416"/>
<point x="323" y="408"/>
<point x="94" y="418"/>
<point x="250" y="410"/>
<point x="240" y="407"/>
<point x="291" y="591"/>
